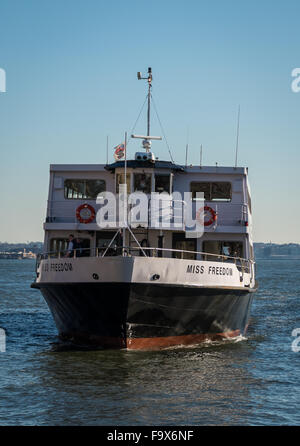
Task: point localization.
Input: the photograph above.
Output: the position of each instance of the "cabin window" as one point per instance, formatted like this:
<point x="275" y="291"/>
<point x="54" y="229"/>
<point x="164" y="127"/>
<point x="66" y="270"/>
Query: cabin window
<point x="162" y="183"/>
<point x="103" y="240"/>
<point x="222" y="248"/>
<point x="142" y="182"/>
<point x="59" y="246"/>
<point x="120" y="179"/>
<point x="213" y="191"/>
<point x="184" y="244"/>
<point x="84" y="189"/>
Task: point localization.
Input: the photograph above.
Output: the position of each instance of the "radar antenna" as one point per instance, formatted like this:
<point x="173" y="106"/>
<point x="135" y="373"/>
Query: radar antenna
<point x="147" y="139"/>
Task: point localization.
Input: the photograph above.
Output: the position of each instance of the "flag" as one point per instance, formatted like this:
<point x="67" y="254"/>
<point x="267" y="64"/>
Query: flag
<point x="119" y="151"/>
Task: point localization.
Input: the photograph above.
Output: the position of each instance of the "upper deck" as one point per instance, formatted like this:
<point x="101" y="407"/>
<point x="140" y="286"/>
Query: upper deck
<point x="225" y="190"/>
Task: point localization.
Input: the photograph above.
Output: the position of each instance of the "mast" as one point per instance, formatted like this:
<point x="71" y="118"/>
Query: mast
<point x="149" y="99"/>
<point x="147" y="139"/>
<point x="237" y="137"/>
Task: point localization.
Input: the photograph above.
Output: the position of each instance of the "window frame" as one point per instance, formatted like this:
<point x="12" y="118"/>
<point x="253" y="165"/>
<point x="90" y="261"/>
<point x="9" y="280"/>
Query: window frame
<point x="219" y="200"/>
<point x="84" y="181"/>
<point x="221" y="246"/>
<point x="148" y="177"/>
<point x="169" y="175"/>
<point x="54" y="253"/>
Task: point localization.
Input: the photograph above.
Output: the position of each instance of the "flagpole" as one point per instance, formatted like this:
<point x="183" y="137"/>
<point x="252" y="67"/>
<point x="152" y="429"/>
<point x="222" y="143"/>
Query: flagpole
<point x="106" y="149"/>
<point x="125" y="149"/>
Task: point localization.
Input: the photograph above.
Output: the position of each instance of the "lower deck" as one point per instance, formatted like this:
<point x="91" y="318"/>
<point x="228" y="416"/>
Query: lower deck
<point x="162" y="244"/>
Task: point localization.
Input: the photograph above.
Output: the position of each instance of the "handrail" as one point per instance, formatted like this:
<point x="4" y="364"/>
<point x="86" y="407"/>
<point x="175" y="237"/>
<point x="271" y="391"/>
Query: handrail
<point x="55" y="254"/>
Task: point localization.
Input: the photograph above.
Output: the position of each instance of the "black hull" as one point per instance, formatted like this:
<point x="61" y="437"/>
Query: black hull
<point x="139" y="316"/>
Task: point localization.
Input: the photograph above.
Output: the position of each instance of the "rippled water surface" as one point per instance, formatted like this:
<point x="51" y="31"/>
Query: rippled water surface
<point x="253" y="381"/>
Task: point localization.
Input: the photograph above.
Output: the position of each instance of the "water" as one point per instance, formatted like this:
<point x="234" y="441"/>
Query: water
<point x="253" y="381"/>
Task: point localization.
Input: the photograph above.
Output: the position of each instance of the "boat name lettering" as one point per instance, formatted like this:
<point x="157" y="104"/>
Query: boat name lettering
<point x="217" y="270"/>
<point x="195" y="269"/>
<point x="63" y="266"/>
<point x="220" y="271"/>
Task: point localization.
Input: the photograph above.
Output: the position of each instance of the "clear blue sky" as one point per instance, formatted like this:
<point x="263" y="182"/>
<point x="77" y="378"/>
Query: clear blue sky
<point x="71" y="81"/>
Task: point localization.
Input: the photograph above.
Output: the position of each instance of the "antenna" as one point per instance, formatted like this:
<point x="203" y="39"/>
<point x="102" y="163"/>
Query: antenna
<point x="107" y="149"/>
<point x="187" y="147"/>
<point x="200" y="156"/>
<point x="186" y="154"/>
<point x="147" y="138"/>
<point x="237" y="137"/>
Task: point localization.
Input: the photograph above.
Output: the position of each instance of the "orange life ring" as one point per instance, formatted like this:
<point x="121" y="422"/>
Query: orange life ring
<point x="88" y="210"/>
<point x="213" y="215"/>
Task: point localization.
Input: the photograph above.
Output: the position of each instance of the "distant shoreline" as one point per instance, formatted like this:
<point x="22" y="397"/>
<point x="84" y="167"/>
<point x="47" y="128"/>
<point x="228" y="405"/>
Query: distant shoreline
<point x="272" y="251"/>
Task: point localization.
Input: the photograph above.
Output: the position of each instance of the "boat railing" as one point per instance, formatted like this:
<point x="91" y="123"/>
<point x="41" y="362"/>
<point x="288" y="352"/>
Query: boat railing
<point x="244" y="265"/>
<point x="171" y="212"/>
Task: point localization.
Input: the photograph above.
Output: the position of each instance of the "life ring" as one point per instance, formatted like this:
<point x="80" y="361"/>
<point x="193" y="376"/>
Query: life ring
<point x="85" y="213"/>
<point x="204" y="210"/>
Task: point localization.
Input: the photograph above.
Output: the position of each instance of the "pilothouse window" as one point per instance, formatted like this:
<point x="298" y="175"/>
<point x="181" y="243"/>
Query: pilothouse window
<point x="162" y="183"/>
<point x="84" y="189"/>
<point x="213" y="191"/>
<point x="142" y="182"/>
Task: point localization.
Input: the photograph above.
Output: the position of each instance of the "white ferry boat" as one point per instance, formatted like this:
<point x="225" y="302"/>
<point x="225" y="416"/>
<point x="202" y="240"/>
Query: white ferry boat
<point x="115" y="277"/>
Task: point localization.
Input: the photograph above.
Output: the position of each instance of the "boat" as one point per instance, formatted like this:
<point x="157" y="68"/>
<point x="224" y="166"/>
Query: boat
<point x="144" y="253"/>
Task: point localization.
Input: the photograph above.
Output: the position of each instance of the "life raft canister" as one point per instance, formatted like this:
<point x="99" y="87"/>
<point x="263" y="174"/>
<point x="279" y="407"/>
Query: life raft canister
<point x="85" y="213"/>
<point x="204" y="210"/>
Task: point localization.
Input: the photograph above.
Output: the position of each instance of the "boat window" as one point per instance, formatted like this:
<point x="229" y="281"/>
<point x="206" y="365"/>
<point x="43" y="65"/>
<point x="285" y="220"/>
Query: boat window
<point x="103" y="240"/>
<point x="120" y="179"/>
<point x="142" y="182"/>
<point x="162" y="183"/>
<point x="213" y="191"/>
<point x="84" y="189"/>
<point x="182" y="243"/>
<point x="222" y="248"/>
<point x="59" y="247"/>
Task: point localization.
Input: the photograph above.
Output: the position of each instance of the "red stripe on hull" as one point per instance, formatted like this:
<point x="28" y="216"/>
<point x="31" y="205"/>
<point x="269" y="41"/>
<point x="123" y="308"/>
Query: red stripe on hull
<point x="155" y="343"/>
<point x="173" y="341"/>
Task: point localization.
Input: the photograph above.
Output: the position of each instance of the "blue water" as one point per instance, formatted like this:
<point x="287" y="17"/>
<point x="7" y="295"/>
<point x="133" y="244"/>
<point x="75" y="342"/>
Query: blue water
<point x="252" y="381"/>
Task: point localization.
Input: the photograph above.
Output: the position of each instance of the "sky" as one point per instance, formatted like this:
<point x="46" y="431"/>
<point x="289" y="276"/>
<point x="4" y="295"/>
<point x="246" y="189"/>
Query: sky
<point x="71" y="81"/>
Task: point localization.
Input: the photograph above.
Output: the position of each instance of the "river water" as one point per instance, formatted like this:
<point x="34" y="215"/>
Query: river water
<point x="247" y="381"/>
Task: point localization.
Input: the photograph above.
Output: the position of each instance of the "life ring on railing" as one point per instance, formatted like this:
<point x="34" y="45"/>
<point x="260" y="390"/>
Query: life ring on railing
<point x="202" y="212"/>
<point x="85" y="213"/>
